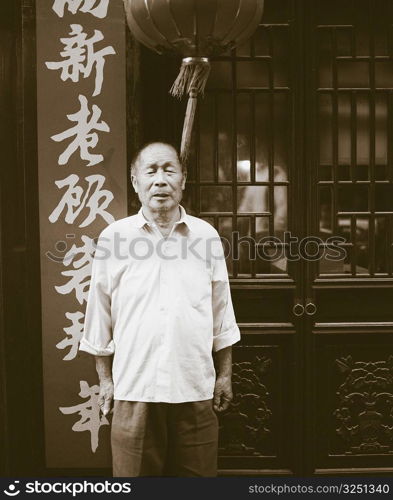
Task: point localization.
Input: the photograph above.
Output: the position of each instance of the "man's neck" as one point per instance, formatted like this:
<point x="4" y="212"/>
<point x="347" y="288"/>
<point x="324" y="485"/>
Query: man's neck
<point x="164" y="219"/>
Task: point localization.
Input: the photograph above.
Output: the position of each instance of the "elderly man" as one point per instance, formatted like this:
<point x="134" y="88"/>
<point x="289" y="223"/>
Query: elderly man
<point x="159" y="305"/>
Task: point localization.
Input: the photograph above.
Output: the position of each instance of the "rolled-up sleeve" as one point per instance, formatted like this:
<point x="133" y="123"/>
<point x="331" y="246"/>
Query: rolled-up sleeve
<point x="225" y="329"/>
<point x="97" y="331"/>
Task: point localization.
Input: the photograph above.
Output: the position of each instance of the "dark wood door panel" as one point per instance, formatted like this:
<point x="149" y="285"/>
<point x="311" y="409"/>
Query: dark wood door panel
<point x="354" y="304"/>
<point x="259" y="430"/>
<point x="353" y="375"/>
<point x="263" y="306"/>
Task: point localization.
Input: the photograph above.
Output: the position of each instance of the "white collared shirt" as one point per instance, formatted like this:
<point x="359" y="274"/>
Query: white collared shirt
<point x="160" y="306"/>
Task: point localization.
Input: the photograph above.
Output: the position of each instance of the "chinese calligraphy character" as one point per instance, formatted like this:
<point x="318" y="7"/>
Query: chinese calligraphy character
<point x="84" y="137"/>
<point x="73" y="202"/>
<point x="90" y="6"/>
<point x="80" y="57"/>
<point x="89" y="412"/>
<point x="80" y="275"/>
<point x="74" y="333"/>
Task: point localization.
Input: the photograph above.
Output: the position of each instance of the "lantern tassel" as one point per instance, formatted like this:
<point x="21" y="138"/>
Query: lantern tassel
<point x="192" y="76"/>
<point x="191" y="80"/>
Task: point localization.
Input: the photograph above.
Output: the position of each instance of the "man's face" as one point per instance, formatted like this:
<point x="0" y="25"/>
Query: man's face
<point x="159" y="179"/>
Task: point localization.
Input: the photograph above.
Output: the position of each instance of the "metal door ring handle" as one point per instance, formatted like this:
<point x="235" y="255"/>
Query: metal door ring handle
<point x="298" y="309"/>
<point x="310" y="308"/>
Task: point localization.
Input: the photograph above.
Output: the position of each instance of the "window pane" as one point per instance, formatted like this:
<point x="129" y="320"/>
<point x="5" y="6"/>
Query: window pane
<point x="325" y="129"/>
<point x="252" y="74"/>
<point x="206" y="138"/>
<point x="353" y="198"/>
<point x="216" y="199"/>
<point x="225" y="137"/>
<point x="353" y="74"/>
<point x="244" y="118"/>
<point x="262" y="135"/>
<point x="252" y="199"/>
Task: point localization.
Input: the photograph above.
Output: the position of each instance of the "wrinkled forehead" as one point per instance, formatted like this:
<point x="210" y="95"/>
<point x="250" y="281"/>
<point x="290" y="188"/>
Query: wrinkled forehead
<point x="158" y="155"/>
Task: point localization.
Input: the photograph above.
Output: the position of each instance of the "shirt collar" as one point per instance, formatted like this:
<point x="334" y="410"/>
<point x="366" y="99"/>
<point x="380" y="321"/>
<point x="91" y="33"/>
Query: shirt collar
<point x="140" y="220"/>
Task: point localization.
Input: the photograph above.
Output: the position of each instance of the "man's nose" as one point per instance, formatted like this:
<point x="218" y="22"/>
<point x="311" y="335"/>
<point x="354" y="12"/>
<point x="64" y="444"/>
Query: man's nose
<point x="160" y="178"/>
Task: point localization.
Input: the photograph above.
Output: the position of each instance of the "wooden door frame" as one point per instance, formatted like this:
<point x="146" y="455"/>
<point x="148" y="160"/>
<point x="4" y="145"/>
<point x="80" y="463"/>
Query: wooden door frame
<point x="21" y="380"/>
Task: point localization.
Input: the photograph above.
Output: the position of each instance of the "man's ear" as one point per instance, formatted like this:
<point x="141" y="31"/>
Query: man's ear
<point x="134" y="183"/>
<point x="183" y="185"/>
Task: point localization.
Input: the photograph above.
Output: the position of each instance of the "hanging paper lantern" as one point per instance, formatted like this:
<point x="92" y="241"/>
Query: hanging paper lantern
<point x="195" y="30"/>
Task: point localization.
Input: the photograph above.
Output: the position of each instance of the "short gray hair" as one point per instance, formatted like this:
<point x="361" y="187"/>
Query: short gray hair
<point x="136" y="159"/>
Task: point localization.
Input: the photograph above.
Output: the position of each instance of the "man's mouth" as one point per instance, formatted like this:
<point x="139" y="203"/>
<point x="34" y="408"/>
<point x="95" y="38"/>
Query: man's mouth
<point x="161" y="195"/>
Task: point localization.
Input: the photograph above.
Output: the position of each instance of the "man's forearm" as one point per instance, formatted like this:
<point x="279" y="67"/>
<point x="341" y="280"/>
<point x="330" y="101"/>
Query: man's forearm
<point x="224" y="362"/>
<point x="104" y="367"/>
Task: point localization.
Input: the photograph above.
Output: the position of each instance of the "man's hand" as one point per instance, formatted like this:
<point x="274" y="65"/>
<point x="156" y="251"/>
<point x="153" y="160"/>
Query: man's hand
<point x="222" y="393"/>
<point x="105" y="397"/>
<point x="223" y="390"/>
<point x="104" y="371"/>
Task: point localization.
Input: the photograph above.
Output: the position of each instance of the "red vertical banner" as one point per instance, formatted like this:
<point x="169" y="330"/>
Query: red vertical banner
<point x="81" y="101"/>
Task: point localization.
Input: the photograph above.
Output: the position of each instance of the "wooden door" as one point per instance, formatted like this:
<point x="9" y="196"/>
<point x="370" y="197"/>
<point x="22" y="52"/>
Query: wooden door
<point x="349" y="343"/>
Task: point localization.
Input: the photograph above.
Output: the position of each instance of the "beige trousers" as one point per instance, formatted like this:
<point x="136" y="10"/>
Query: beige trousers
<point x="164" y="439"/>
